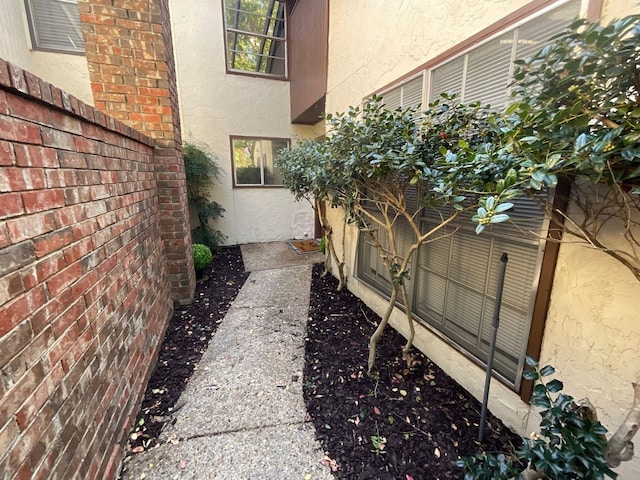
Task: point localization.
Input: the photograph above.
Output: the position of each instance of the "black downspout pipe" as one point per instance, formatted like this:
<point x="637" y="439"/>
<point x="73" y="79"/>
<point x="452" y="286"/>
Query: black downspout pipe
<point x="492" y="347"/>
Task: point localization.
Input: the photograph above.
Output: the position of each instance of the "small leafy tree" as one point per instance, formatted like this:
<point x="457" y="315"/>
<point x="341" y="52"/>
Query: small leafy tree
<point x="576" y="118"/>
<point x="383" y="157"/>
<point x="202" y="172"/>
<point x="305" y="174"/>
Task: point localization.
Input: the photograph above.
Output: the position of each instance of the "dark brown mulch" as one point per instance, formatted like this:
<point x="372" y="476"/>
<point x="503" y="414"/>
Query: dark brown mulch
<point x="422" y="417"/>
<point x="185" y="341"/>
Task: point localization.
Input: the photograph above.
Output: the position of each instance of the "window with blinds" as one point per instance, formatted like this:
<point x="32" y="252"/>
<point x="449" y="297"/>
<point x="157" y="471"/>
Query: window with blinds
<point x="408" y="94"/>
<point x="453" y="279"/>
<point x="55" y="26"/>
<point x="484" y="73"/>
<point x="456" y="284"/>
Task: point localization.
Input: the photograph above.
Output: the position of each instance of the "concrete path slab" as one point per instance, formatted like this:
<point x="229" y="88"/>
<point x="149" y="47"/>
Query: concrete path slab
<point x="243" y="414"/>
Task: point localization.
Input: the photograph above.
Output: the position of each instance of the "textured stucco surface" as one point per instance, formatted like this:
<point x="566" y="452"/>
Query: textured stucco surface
<point x="592" y="334"/>
<point x="417" y="32"/>
<point x="65" y="71"/>
<point x="215" y="105"/>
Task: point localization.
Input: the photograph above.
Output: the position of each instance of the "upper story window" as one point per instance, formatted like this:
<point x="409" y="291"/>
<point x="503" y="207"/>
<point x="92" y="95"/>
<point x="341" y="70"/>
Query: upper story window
<point x="55" y="26"/>
<point x="254" y="161"/>
<point x="255" y="37"/>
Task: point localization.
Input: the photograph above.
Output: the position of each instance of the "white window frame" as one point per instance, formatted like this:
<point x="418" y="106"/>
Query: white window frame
<point x="55" y="18"/>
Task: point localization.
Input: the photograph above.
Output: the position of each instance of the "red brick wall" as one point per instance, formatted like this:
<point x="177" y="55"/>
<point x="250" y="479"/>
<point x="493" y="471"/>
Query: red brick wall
<point x="84" y="281"/>
<point x="132" y="70"/>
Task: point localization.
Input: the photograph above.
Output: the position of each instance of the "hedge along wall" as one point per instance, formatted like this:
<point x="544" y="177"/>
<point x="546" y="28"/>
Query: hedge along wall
<point x="84" y="290"/>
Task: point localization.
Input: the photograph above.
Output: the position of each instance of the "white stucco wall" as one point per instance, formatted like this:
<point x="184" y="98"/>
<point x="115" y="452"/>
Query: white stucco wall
<point x="215" y="105"/>
<point x="65" y="71"/>
<point x="592" y="334"/>
<point x="374" y="42"/>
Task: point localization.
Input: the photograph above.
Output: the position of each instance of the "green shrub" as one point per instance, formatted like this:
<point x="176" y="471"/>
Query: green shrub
<point x="202" y="256"/>
<point x="202" y="171"/>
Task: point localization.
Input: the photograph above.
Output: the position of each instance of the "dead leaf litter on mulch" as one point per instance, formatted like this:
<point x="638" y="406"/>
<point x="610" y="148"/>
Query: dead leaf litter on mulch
<point x="407" y="423"/>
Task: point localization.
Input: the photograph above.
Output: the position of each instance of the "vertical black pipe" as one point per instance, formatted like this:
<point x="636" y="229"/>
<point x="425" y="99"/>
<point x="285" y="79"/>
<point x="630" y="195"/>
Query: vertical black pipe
<point x="492" y="347"/>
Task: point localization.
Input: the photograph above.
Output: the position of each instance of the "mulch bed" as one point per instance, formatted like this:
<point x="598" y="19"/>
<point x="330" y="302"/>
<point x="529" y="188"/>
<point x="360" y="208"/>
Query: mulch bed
<point x="186" y="339"/>
<point x="406" y="424"/>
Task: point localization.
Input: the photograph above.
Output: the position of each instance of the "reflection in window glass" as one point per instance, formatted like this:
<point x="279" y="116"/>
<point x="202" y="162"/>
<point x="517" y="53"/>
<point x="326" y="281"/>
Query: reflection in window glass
<point x="255" y="36"/>
<point x="254" y="160"/>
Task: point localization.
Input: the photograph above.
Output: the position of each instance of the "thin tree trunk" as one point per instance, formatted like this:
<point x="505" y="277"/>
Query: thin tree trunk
<point x="328" y="234"/>
<point x="373" y="341"/>
<point x="620" y="448"/>
<point x="412" y="328"/>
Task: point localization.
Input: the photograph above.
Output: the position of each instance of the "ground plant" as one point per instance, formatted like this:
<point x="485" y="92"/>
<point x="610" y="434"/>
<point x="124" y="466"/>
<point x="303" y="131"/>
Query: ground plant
<point x="202" y="256"/>
<point x="202" y="172"/>
<point x="571" y="442"/>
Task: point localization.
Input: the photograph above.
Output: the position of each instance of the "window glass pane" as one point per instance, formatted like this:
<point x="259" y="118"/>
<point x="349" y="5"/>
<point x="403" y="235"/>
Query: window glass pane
<point x="271" y="148"/>
<point x="255" y="36"/>
<point x="246" y="159"/>
<point x="55" y="25"/>
<point x="253" y="161"/>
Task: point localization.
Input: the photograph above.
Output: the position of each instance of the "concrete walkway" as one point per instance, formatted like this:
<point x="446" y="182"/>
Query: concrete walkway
<point x="244" y="415"/>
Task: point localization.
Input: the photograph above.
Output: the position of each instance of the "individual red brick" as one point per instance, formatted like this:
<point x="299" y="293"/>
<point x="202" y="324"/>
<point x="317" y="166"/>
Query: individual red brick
<point x="52" y="242"/>
<point x="24" y="108"/>
<point x="50" y="265"/>
<point x="5" y="239"/>
<point x="17" y="78"/>
<point x="14" y="179"/>
<point x="19" y="130"/>
<point x="39" y="200"/>
<point x="8" y="434"/>
<point x="30" y="226"/>
<point x="35" y="156"/>
<point x="70" y="215"/>
<point x="4" y="107"/>
<point x="62" y="279"/>
<point x="17" y="310"/>
<point x="5" y="77"/>
<point x="7" y="153"/>
<point x="33" y="84"/>
<point x="15" y="341"/>
<point x="11" y="205"/>
<point x="72" y="159"/>
<point x="45" y="91"/>
<point x="57" y="139"/>
<point x="78" y="250"/>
